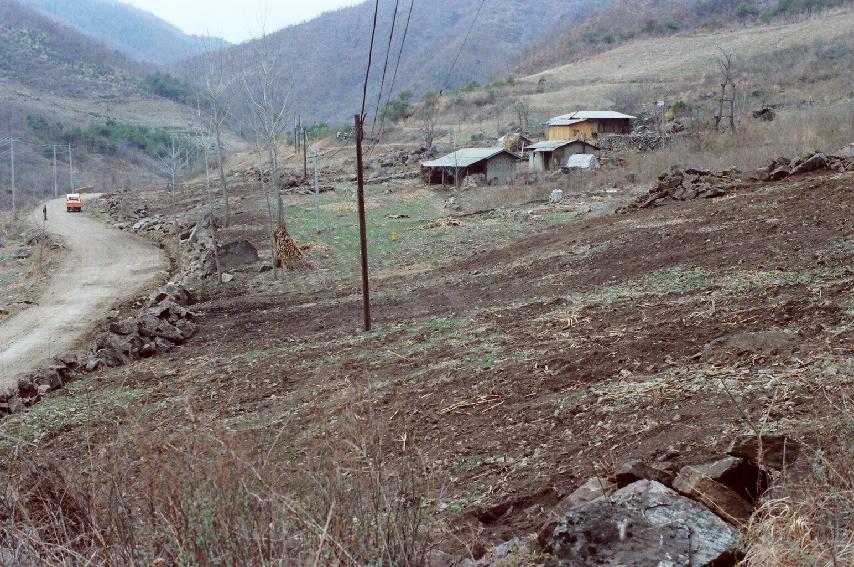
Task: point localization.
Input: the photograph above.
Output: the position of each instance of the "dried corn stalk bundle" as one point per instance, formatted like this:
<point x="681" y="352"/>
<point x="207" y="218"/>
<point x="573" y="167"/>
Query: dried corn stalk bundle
<point x="289" y="255"/>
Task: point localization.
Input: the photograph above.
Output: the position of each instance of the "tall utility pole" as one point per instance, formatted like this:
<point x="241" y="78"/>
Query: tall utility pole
<point x="316" y="194"/>
<point x="55" y="187"/>
<point x="363" y="235"/>
<point x="14" y="192"/>
<point x="70" y="171"/>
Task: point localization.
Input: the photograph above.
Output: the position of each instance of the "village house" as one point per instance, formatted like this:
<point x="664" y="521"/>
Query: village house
<point x="588" y="124"/>
<point x="552" y="155"/>
<point x="496" y="165"/>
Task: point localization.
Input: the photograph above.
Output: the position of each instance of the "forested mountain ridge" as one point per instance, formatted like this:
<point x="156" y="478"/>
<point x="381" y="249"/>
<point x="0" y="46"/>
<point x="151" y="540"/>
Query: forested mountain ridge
<point x="325" y="58"/>
<point x="135" y="32"/>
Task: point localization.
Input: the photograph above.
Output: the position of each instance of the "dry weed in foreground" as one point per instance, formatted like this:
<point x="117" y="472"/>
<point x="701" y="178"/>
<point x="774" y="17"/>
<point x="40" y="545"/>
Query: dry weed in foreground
<point x="814" y="524"/>
<point x="208" y="498"/>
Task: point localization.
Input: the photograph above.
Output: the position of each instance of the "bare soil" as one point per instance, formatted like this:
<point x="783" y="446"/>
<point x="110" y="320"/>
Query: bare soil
<point x="521" y="371"/>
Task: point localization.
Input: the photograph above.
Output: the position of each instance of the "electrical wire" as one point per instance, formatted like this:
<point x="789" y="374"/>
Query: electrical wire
<point x="370" y="61"/>
<point x="397" y="65"/>
<point x="460" y="52"/>
<point x="385" y="65"/>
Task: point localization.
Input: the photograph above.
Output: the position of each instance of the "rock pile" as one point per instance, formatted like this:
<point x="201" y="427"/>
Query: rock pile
<point x="692" y="183"/>
<point x="156" y="329"/>
<point x="637" y="141"/>
<point x="164" y="324"/>
<point x="655" y="513"/>
<point x="782" y="168"/>
<point x="402" y="158"/>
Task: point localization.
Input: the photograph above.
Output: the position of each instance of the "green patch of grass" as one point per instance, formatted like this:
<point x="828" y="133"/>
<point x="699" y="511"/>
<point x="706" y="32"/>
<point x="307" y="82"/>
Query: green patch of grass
<point x="60" y="412"/>
<point x="460" y="504"/>
<point x="263" y="353"/>
<point x="475" y="461"/>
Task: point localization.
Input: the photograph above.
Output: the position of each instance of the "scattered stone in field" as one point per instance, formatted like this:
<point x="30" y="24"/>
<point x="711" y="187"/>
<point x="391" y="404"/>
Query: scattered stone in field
<point x="645" y="523"/>
<point x="767" y="343"/>
<point x="778" y="451"/>
<point x="720" y="499"/>
<point x="227" y="278"/>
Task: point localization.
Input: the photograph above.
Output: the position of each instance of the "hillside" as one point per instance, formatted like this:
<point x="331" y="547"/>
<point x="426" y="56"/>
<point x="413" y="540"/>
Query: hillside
<point x="327" y="76"/>
<point x="132" y="31"/>
<point x="61" y="87"/>
<point x="627" y="20"/>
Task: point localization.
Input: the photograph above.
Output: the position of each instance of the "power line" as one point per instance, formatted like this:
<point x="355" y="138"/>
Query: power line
<point x="396" y="66"/>
<point x="370" y="60"/>
<point x="460" y="52"/>
<point x="385" y="65"/>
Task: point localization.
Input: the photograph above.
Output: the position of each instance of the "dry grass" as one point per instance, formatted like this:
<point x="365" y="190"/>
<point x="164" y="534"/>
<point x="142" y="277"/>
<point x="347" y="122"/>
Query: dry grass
<point x="813" y="524"/>
<point x="204" y="497"/>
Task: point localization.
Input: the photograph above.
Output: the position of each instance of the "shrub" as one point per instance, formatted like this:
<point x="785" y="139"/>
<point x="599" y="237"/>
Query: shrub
<point x="166" y="86"/>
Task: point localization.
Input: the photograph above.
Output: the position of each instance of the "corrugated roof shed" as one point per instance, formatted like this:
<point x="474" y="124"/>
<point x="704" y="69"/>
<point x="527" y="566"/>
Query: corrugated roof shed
<point x="582" y="115"/>
<point x="466" y="157"/>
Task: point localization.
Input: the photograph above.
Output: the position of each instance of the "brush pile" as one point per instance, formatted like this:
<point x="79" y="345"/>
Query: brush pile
<point x="289" y="255"/>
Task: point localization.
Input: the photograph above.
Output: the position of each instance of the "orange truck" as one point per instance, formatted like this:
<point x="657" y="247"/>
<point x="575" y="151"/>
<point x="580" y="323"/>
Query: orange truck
<point x="73" y="203"/>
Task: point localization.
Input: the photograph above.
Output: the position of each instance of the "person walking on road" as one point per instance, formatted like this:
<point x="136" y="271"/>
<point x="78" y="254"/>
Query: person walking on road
<point x="44" y="211"/>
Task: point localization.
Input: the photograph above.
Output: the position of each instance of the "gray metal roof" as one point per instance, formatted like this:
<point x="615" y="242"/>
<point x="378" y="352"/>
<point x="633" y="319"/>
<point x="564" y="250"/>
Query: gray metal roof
<point x="581" y="115"/>
<point x="552" y="145"/>
<point x="466" y="157"/>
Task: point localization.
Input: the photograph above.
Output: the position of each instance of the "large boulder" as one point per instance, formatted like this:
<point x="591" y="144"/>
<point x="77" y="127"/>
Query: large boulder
<point x="644" y="524"/>
<point x="815" y="162"/>
<point x="721" y="499"/>
<point x="236" y="254"/>
<point x="772" y="451"/>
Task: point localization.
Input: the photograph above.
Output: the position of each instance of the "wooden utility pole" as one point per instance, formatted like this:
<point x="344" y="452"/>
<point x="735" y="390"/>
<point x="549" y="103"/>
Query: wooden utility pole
<point x="363" y="234"/>
<point x="14" y="192"/>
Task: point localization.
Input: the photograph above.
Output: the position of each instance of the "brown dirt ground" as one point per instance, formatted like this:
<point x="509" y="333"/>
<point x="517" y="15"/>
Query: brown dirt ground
<point x="522" y="371"/>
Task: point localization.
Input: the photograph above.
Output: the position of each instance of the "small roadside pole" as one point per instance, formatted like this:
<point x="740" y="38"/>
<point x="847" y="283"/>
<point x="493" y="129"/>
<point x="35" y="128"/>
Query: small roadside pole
<point x="304" y="154"/>
<point x="55" y="186"/>
<point x="316" y="193"/>
<point x="363" y="235"/>
<point x="70" y="171"/>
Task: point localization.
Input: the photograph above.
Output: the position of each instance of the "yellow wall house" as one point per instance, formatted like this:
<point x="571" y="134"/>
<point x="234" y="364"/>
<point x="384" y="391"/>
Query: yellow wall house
<point x="587" y="124"/>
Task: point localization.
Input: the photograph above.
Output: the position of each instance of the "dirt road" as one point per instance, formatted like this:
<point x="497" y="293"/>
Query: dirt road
<point x="100" y="266"/>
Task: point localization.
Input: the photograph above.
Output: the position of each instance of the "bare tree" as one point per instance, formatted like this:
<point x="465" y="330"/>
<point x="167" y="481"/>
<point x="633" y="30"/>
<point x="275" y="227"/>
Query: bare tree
<point x="217" y="87"/>
<point x="205" y="142"/>
<point x="522" y="109"/>
<point x="725" y="62"/>
<point x="170" y="165"/>
<point x="427" y="114"/>
<point x="268" y="100"/>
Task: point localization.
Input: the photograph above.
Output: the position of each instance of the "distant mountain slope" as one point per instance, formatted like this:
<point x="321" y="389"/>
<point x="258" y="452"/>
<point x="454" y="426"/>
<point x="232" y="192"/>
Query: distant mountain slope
<point x="326" y="57"/>
<point x="135" y="32"/>
<point x="37" y="51"/>
<point x="627" y="20"/>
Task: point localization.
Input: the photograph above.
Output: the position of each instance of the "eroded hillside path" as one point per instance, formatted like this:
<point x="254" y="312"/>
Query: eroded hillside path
<point x="100" y="266"/>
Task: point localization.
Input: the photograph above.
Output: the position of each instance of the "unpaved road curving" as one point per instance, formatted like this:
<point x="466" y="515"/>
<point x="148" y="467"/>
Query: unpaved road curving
<point x="100" y="267"/>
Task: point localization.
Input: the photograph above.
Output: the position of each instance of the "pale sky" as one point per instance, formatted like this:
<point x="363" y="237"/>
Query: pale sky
<point x="236" y="20"/>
